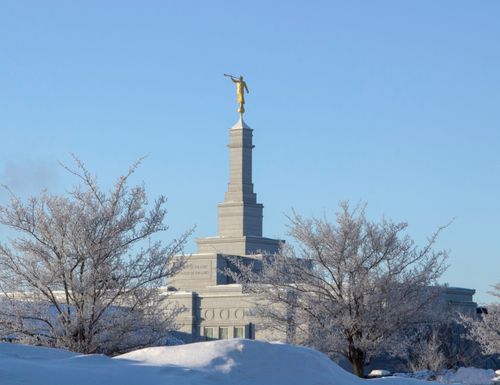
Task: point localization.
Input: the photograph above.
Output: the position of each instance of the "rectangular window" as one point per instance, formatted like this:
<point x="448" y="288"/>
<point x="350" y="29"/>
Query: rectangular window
<point x="209" y="333"/>
<point x="251" y="331"/>
<point x="223" y="333"/>
<point x="239" y="332"/>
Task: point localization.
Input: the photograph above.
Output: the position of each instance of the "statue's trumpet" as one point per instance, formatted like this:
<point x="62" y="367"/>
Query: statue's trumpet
<point x="231" y="76"/>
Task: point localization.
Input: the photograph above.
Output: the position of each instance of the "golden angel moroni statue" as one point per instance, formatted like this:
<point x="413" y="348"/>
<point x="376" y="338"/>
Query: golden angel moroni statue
<point x="241" y="87"/>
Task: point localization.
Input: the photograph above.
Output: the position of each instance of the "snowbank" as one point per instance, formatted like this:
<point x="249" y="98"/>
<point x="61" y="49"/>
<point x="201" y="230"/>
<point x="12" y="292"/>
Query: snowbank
<point x="464" y="376"/>
<point x="468" y="376"/>
<point x="235" y="362"/>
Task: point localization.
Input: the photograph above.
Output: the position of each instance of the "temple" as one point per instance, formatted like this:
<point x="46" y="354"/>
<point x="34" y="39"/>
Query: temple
<point x="216" y="307"/>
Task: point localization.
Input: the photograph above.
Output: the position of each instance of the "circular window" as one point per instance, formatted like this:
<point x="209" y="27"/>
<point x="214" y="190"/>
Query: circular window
<point x="209" y="314"/>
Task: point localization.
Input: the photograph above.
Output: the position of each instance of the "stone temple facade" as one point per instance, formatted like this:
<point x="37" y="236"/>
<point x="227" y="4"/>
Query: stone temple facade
<point x="216" y="308"/>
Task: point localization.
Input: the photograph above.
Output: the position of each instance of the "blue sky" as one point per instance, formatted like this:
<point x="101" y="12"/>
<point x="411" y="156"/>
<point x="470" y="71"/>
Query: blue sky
<point x="396" y="103"/>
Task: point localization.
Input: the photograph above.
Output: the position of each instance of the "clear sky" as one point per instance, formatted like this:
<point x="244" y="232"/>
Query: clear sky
<point x="396" y="103"/>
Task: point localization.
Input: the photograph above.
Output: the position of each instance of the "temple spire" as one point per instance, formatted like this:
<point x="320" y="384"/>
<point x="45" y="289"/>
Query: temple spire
<point x="240" y="216"/>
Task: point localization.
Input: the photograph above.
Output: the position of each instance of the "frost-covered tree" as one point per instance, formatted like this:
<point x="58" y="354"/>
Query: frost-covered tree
<point x="346" y="287"/>
<point x="441" y="345"/>
<point x="83" y="269"/>
<point x="426" y="353"/>
<point x="485" y="329"/>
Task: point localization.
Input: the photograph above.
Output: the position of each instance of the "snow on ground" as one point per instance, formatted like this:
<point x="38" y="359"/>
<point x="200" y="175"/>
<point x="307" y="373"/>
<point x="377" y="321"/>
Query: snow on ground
<point x="235" y="362"/>
<point x="464" y="376"/>
<point x="468" y="376"/>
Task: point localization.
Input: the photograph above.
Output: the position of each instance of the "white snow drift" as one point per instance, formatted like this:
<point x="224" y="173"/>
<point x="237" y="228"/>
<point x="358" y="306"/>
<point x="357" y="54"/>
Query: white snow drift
<point x="235" y="362"/>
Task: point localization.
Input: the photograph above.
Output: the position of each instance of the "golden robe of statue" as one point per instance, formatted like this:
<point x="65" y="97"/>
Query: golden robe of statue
<point x="241" y="87"/>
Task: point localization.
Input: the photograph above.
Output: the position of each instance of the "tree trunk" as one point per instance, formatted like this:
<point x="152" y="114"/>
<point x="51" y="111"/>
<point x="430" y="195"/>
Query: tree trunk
<point x="358" y="367"/>
<point x="357" y="359"/>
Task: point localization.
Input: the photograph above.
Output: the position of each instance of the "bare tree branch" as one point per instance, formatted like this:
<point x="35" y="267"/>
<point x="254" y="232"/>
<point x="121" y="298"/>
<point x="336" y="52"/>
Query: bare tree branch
<point x="86" y="268"/>
<point x="348" y="287"/>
